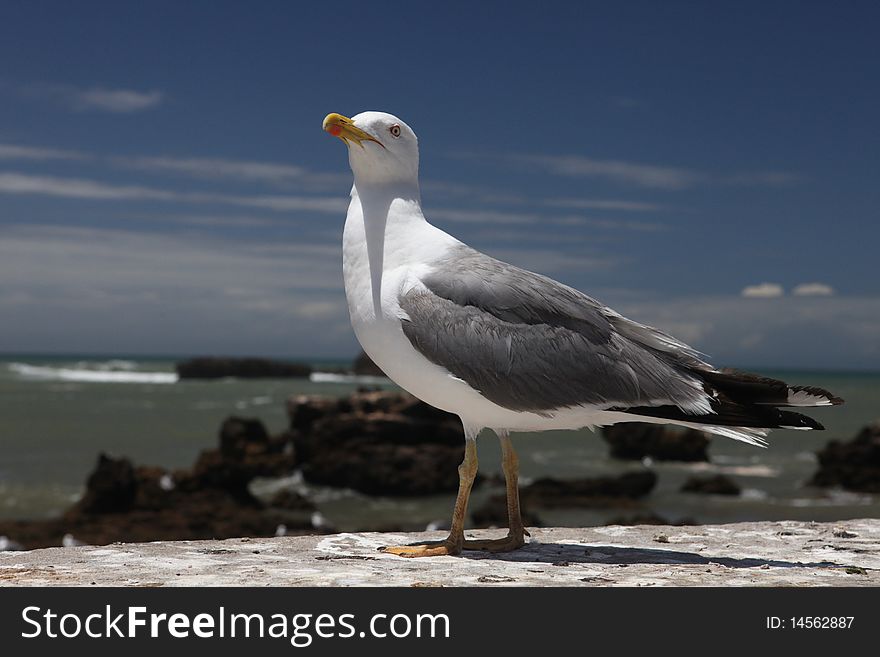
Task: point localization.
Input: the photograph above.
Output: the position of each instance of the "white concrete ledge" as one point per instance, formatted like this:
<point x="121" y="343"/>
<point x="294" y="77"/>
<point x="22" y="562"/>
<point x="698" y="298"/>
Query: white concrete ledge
<point x="745" y="554"/>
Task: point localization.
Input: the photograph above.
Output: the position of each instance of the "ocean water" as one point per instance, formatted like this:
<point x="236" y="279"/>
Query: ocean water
<point x="58" y="413"/>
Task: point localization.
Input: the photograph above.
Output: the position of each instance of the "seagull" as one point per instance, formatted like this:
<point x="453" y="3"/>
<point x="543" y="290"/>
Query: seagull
<point x="510" y="350"/>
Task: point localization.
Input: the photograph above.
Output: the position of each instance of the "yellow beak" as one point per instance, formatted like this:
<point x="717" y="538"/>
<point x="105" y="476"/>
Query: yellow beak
<point x="343" y="127"/>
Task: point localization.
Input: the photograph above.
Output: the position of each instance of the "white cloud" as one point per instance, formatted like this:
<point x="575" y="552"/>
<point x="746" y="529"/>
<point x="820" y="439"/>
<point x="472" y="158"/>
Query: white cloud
<point x="85" y="189"/>
<point x="102" y="99"/>
<point x="16" y="152"/>
<point x="217" y="168"/>
<point x="117" y="100"/>
<point x="800" y="332"/>
<point x="763" y="291"/>
<point x="813" y="290"/>
<point x="117" y="290"/>
<point x="643" y="175"/>
<point x="22" y="183"/>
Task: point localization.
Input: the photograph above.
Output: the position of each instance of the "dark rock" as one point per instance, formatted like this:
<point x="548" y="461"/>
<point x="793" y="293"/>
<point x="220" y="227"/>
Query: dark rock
<point x="110" y="488"/>
<point x="387" y="468"/>
<point x="246" y="451"/>
<point x="126" y="503"/>
<point x="854" y="465"/>
<point x="242" y="436"/>
<point x="636" y="440"/>
<point x="589" y="492"/>
<point x="292" y="501"/>
<point x="241" y="368"/>
<point x="712" y="485"/>
<point x="379" y="443"/>
<point x="364" y="366"/>
<point x="303" y="410"/>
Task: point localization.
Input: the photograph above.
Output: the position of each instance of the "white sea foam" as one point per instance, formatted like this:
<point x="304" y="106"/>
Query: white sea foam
<point x="328" y="377"/>
<point x="83" y="375"/>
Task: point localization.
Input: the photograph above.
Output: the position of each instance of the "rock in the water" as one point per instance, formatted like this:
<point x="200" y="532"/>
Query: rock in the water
<point x="240" y="368"/>
<point x="364" y="366"/>
<point x="292" y="501"/>
<point x="854" y="465"/>
<point x="712" y="485"/>
<point x="379" y="443"/>
<point x="112" y="486"/>
<point x="128" y="503"/>
<point x="246" y="451"/>
<point x="636" y="440"/>
<point x="588" y="492"/>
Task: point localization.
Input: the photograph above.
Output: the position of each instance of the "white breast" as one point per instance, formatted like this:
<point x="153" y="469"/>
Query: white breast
<point x="408" y="248"/>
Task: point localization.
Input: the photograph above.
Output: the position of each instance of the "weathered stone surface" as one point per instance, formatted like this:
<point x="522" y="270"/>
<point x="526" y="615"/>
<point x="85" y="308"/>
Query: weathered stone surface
<point x="854" y="465"/>
<point x="241" y="368"/>
<point x="637" y="440"/>
<point x="711" y="485"/>
<point x="745" y="554"/>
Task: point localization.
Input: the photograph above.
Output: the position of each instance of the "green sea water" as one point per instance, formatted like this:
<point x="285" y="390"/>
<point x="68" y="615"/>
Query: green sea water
<point x="58" y="413"/>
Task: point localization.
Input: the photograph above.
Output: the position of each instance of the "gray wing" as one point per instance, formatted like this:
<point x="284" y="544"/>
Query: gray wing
<point x="529" y="343"/>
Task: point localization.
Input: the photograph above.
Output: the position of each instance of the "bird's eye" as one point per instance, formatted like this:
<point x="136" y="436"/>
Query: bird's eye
<point x="394" y="130"/>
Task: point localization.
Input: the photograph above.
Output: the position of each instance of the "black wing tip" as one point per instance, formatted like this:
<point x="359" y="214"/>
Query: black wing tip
<point x="828" y="397"/>
<point x="731" y="415"/>
<point x="749" y="388"/>
<point x="790" y="420"/>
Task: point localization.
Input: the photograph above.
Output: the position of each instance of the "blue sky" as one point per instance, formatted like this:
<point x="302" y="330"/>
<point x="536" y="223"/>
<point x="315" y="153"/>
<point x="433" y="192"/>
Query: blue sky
<point x="709" y="168"/>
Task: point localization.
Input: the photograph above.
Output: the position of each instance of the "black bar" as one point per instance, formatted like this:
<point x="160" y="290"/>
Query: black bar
<point x="678" y="621"/>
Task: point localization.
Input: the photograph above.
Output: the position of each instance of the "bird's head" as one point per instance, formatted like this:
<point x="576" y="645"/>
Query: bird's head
<point x="381" y="148"/>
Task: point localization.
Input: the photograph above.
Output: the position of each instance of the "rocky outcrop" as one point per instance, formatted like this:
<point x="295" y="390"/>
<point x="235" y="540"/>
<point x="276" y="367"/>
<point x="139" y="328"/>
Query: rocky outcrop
<point x="128" y="503"/>
<point x="854" y="465"/>
<point x="240" y="368"/>
<point x="551" y="493"/>
<point x="377" y="443"/>
<point x="548" y="493"/>
<point x="637" y="440"/>
<point x="246" y="451"/>
<point x="493" y="513"/>
<point x="711" y="485"/>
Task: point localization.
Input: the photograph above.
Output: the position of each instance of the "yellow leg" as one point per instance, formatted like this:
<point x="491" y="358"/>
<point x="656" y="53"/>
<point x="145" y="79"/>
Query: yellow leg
<point x="516" y="533"/>
<point x="453" y="544"/>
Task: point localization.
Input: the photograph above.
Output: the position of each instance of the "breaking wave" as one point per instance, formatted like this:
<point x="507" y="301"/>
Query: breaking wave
<point x="328" y="377"/>
<point x="113" y="371"/>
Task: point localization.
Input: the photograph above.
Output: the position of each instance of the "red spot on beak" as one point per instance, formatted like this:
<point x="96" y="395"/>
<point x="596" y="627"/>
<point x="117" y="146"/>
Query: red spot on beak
<point x="335" y="130"/>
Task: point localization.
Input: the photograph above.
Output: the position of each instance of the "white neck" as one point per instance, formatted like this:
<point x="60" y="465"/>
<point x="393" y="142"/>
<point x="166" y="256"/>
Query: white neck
<point x="383" y="209"/>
